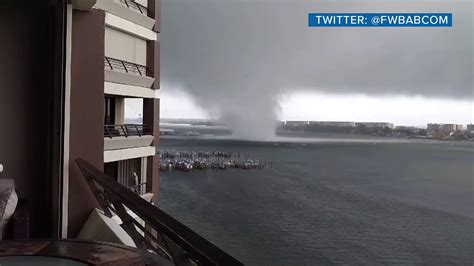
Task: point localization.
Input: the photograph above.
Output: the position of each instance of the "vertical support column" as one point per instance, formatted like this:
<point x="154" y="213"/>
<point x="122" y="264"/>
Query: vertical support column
<point x="153" y="47"/>
<point x="153" y="60"/>
<point x="151" y="117"/>
<point x="120" y="172"/>
<point x="143" y="170"/>
<point x="151" y="107"/>
<point x="154" y="12"/>
<point x="119" y="110"/>
<point x="67" y="123"/>
<point x="87" y="111"/>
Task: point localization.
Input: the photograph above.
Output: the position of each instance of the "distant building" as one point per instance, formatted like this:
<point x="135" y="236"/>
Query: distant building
<point x="333" y="123"/>
<point x="411" y="128"/>
<point x="443" y="128"/>
<point x="434" y="128"/>
<point x="296" y="123"/>
<point x="375" y="124"/>
<point x="470" y="128"/>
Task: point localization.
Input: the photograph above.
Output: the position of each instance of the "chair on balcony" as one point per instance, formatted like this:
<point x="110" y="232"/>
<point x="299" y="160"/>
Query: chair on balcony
<point x="14" y="214"/>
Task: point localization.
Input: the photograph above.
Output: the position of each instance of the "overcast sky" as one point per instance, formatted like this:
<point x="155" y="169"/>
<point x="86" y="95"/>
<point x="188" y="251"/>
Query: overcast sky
<point x="249" y="62"/>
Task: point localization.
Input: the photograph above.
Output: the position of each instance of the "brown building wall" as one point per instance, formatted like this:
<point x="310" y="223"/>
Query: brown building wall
<point x="154" y="11"/>
<point x="153" y="61"/>
<point x="151" y="117"/>
<point x="151" y="107"/>
<point x="153" y="47"/>
<point x="87" y="110"/>
<point x="26" y="85"/>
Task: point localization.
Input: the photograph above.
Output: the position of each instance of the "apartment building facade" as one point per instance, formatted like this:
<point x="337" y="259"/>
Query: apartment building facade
<point x="79" y="172"/>
<point x="114" y="57"/>
<point x="69" y="66"/>
<point x="470" y="127"/>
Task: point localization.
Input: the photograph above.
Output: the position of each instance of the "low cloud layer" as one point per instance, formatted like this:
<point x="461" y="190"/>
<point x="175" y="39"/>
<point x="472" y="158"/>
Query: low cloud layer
<point x="236" y="57"/>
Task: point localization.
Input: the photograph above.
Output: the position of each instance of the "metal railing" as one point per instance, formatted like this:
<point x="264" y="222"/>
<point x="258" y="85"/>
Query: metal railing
<point x="162" y="234"/>
<point x="140" y="189"/>
<point x="135" y="6"/>
<point x="127" y="67"/>
<point x="126" y="130"/>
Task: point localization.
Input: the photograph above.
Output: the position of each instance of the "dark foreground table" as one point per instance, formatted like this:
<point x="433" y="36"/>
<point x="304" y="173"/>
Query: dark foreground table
<point x="73" y="252"/>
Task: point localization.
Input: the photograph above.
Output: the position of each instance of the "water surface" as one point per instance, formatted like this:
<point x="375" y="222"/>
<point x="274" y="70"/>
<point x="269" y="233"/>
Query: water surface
<point x="354" y="202"/>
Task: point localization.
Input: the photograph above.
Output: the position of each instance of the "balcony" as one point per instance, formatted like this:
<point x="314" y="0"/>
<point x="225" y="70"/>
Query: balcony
<point x="128" y="141"/>
<point x="123" y="72"/>
<point x="147" y="227"/>
<point x="126" y="136"/>
<point x="135" y="6"/>
<point x="126" y="130"/>
<point x="128" y="91"/>
<point x="140" y="189"/>
<point x="127" y="67"/>
<point x="128" y="11"/>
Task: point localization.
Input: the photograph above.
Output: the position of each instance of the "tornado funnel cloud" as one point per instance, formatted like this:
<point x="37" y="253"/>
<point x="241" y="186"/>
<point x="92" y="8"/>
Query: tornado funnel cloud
<point x="252" y="118"/>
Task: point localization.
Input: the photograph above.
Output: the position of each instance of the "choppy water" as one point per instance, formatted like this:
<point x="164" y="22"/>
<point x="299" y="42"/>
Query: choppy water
<point x="332" y="202"/>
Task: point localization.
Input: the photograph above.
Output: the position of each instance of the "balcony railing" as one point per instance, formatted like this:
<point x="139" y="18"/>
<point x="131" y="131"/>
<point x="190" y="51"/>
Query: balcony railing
<point x="162" y="234"/>
<point x="140" y="189"/>
<point x="126" y="67"/>
<point x="126" y="130"/>
<point x="135" y="6"/>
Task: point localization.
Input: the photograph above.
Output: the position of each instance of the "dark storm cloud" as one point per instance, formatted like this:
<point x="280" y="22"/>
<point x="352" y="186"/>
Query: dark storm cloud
<point x="236" y="57"/>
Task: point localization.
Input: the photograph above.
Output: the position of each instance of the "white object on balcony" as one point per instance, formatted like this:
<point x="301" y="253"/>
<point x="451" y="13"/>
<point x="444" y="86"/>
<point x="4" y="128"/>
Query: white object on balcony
<point x="102" y="228"/>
